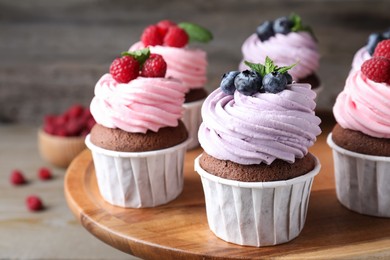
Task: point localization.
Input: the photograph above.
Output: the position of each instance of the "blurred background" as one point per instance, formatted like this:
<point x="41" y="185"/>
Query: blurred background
<point x="53" y="52"/>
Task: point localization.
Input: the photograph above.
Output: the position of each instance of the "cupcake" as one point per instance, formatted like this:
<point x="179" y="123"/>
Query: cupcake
<point x="361" y="138"/>
<point x="255" y="169"/>
<point x="139" y="142"/>
<point x="189" y="65"/>
<point x="61" y="137"/>
<point x="286" y="41"/>
<point x="366" y="52"/>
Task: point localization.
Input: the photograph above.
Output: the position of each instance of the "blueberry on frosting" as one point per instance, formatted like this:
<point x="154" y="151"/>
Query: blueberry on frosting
<point x="268" y="78"/>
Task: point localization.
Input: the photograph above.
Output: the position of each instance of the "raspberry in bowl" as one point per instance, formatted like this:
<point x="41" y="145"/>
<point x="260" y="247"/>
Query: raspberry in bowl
<point x="61" y="138"/>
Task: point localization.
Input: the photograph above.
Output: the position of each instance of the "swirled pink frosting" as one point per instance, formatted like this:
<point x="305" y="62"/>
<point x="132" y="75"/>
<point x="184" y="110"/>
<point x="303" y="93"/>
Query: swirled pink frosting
<point x="284" y="50"/>
<point x="140" y="105"/>
<point x="185" y="64"/>
<point x="360" y="56"/>
<point x="364" y="106"/>
<point x="260" y="128"/>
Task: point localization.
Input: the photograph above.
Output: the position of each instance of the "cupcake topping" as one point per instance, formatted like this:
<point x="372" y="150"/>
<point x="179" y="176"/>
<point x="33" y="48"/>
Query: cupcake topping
<point x="267" y="78"/>
<point x="375" y="38"/>
<point x="378" y="67"/>
<point x="140" y="62"/>
<point x="363" y="105"/>
<point x="168" y="33"/>
<point x="259" y="128"/>
<point x="282" y="25"/>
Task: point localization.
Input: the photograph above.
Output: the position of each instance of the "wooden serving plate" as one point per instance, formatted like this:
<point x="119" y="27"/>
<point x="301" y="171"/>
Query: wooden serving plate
<point x="179" y="230"/>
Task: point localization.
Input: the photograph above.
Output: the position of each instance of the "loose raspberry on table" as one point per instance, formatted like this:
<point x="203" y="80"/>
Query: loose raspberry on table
<point x="34" y="203"/>
<point x="17" y="178"/>
<point x="154" y="67"/>
<point x="124" y="69"/>
<point x="151" y="36"/>
<point x="163" y="26"/>
<point x="176" y="37"/>
<point x="44" y="174"/>
<point x="377" y="69"/>
<point x="382" y="49"/>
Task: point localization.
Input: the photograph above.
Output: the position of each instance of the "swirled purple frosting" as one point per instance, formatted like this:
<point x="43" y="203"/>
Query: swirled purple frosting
<point x="260" y="128"/>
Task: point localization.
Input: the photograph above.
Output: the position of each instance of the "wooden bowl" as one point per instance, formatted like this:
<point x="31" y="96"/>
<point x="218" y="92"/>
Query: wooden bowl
<point x="58" y="150"/>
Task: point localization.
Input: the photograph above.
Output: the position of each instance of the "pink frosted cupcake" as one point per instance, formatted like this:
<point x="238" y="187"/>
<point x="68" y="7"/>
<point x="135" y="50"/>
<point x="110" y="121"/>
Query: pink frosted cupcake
<point x="286" y="41"/>
<point x="361" y="138"/>
<point x="256" y="171"/>
<point x="366" y="52"/>
<point x="138" y="142"/>
<point x="189" y="65"/>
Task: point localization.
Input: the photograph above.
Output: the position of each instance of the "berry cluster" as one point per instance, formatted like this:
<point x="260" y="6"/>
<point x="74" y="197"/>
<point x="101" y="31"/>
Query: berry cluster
<point x="283" y="25"/>
<point x="378" y="67"/>
<point x="165" y="33"/>
<point x="133" y="64"/>
<point x="76" y="121"/>
<point x="375" y="38"/>
<point x="33" y="202"/>
<point x="267" y="78"/>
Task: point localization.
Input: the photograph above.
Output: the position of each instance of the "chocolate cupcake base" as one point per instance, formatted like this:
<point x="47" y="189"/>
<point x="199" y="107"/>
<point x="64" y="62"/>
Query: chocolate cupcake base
<point x="278" y="170"/>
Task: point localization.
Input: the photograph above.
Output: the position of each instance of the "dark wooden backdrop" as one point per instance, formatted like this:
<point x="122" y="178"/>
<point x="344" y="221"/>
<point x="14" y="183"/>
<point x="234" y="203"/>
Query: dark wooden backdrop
<point x="53" y="52"/>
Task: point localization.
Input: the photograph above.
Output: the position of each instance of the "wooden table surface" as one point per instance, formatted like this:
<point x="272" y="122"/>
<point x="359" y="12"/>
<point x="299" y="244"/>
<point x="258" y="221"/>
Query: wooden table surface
<point x="50" y="234"/>
<point x="179" y="230"/>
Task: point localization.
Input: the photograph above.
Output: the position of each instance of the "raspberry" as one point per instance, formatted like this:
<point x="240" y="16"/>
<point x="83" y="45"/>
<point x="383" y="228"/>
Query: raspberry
<point x="44" y="174"/>
<point x="151" y="36"/>
<point x="74" y="126"/>
<point x="75" y="111"/>
<point x="382" y="49"/>
<point x="377" y="69"/>
<point x="34" y="203"/>
<point x="163" y="26"/>
<point x="176" y="37"/>
<point x="154" y="67"/>
<point x="124" y="69"/>
<point x="17" y="177"/>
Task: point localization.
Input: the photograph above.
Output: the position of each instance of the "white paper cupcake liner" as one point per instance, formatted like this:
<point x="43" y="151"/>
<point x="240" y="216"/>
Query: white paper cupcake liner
<point x="362" y="181"/>
<point x="256" y="213"/>
<point x="192" y="119"/>
<point x="139" y="179"/>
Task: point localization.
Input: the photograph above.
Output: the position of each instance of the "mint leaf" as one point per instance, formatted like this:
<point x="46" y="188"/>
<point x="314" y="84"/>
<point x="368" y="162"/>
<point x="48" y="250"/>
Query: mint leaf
<point x="286" y="68"/>
<point x="140" y="55"/>
<point x="298" y="25"/>
<point x="196" y="33"/>
<point x="269" y="65"/>
<point x="259" y="68"/>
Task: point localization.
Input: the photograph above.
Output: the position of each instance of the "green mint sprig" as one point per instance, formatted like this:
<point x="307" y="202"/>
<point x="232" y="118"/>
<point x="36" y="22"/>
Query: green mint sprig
<point x="298" y="25"/>
<point x="196" y="33"/>
<point x="140" y="55"/>
<point x="268" y="67"/>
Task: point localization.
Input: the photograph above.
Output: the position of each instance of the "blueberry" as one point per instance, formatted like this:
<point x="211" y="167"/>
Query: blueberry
<point x="274" y="82"/>
<point x="283" y="25"/>
<point x="373" y="40"/>
<point x="265" y="30"/>
<point x="386" y="34"/>
<point x="248" y="82"/>
<point x="227" y="82"/>
<point x="288" y="77"/>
